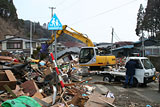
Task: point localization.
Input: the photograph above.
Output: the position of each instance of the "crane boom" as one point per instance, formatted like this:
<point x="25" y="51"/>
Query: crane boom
<point x="74" y="34"/>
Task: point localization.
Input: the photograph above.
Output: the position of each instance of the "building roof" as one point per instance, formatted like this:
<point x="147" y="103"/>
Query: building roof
<point x="73" y="50"/>
<point x="43" y="39"/>
<point x="122" y="43"/>
<point x="73" y="44"/>
<point x="18" y="37"/>
<point x="124" y="47"/>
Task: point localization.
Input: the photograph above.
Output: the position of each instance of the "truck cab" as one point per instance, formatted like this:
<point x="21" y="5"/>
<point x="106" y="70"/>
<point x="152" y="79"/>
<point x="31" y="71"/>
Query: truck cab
<point x="145" y="72"/>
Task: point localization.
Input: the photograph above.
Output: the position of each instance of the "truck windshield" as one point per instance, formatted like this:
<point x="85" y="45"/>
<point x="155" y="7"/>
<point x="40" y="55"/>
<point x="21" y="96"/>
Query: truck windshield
<point x="86" y="54"/>
<point x="147" y="64"/>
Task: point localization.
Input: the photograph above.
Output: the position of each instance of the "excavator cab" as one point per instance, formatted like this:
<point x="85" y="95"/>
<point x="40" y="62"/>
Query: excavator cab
<point x="87" y="55"/>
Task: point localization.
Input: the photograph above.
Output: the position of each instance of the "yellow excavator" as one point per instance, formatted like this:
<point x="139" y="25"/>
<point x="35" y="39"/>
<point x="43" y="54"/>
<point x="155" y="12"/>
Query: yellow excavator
<point x="89" y="56"/>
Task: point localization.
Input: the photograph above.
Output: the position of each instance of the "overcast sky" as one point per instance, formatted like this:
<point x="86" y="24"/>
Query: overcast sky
<point x="96" y="18"/>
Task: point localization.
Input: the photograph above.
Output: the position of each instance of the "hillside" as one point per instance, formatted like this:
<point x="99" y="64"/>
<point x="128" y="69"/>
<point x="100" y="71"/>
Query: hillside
<point x="11" y="25"/>
<point x="7" y="29"/>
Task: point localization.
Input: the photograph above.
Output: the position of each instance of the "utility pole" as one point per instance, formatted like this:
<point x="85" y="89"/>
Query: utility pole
<point x="31" y="49"/>
<point x="54" y="35"/>
<point x="112" y="40"/>
<point x="143" y="49"/>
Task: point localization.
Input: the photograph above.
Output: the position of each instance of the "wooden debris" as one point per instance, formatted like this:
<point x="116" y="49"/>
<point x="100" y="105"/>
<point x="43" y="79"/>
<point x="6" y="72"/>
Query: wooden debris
<point x="30" y="87"/>
<point x="7" y="78"/>
<point x="9" y="90"/>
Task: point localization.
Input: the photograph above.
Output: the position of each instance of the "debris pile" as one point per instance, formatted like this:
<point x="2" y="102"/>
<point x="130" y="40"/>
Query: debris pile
<point x="26" y="82"/>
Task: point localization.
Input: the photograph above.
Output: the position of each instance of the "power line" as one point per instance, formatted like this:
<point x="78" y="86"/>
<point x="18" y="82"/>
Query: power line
<point x="117" y="36"/>
<point x="61" y="3"/>
<point x="70" y="6"/>
<point x="107" y="11"/>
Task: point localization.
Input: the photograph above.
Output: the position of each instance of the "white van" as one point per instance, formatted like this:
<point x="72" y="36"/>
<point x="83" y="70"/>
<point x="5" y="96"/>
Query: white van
<point x="145" y="72"/>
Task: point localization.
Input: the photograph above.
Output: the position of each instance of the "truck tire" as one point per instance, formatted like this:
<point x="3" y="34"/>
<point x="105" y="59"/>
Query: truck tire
<point x="135" y="82"/>
<point x="144" y="84"/>
<point x="107" y="78"/>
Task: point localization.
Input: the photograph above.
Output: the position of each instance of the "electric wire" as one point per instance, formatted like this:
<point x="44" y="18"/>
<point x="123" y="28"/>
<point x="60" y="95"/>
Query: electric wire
<point x="62" y="2"/>
<point x="69" y="6"/>
<point x="107" y="11"/>
<point x="115" y="35"/>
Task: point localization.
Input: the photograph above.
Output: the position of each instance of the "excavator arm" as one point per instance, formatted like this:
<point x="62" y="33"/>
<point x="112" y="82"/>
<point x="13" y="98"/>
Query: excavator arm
<point x="78" y="36"/>
<point x="74" y="34"/>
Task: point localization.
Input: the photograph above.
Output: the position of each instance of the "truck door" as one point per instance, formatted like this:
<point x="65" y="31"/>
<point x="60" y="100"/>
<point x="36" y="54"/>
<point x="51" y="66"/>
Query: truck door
<point x="139" y="73"/>
<point x="149" y="70"/>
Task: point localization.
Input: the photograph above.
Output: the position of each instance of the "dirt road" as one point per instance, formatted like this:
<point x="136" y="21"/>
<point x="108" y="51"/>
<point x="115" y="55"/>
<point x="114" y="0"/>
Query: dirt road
<point x="131" y="97"/>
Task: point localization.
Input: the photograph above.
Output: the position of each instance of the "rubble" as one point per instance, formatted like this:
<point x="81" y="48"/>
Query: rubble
<point x="45" y="84"/>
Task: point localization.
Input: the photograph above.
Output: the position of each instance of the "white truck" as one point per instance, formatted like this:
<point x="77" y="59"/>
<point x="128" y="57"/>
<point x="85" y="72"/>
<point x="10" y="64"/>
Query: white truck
<point x="145" y="72"/>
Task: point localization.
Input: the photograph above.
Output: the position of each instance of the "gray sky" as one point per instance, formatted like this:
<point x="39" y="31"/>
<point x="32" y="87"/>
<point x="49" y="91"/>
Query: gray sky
<point x="96" y="18"/>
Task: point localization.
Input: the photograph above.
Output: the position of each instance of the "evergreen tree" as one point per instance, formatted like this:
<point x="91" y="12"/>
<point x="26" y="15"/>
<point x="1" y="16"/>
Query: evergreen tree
<point x="151" y="18"/>
<point x="140" y="17"/>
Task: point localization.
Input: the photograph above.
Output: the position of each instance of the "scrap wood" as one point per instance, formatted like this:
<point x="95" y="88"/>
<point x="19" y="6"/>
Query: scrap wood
<point x="42" y="103"/>
<point x="76" y="83"/>
<point x="2" y="99"/>
<point x="9" y="90"/>
<point x="6" y="58"/>
<point x="88" y="79"/>
<point x="107" y="102"/>
<point x="78" y="90"/>
<point x="47" y="99"/>
<point x="65" y="102"/>
<point x="62" y="94"/>
<point x="95" y="100"/>
<point x="71" y="91"/>
<point x="8" y="78"/>
<point x="37" y="95"/>
<point x="18" y="91"/>
<point x="78" y="100"/>
<point x="106" y="83"/>
<point x="30" y="87"/>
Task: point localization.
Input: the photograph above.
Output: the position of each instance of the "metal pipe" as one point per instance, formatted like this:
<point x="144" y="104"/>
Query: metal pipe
<point x="54" y="94"/>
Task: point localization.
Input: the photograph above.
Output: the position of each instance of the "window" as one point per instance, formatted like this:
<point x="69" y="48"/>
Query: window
<point x="147" y="64"/>
<point x="14" y="45"/>
<point x="34" y="44"/>
<point x="27" y="45"/>
<point x="138" y="63"/>
<point x="86" y="54"/>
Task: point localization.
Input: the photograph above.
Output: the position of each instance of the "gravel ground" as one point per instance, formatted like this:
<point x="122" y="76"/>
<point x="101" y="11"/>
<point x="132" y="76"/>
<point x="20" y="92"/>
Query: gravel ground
<point x="132" y="97"/>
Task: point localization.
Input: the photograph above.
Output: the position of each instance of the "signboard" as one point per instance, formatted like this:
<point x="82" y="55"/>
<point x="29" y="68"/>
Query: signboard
<point x="54" y="24"/>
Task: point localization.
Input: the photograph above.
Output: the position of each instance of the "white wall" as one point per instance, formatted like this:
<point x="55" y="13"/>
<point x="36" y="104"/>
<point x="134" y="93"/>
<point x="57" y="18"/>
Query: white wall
<point x="4" y="45"/>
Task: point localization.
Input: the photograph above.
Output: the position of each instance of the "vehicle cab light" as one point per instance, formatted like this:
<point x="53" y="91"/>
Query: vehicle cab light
<point x="146" y="74"/>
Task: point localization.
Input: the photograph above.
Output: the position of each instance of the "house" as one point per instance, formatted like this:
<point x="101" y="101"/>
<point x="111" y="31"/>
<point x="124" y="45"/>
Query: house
<point x="17" y="44"/>
<point x="121" y="44"/>
<point x="123" y="48"/>
<point x="122" y="51"/>
<point x="104" y="48"/>
<point x="151" y="47"/>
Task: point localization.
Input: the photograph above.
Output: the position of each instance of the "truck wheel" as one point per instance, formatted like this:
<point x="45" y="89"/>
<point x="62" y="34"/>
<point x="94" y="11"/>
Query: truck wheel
<point x="144" y="85"/>
<point x="135" y="82"/>
<point x="107" y="78"/>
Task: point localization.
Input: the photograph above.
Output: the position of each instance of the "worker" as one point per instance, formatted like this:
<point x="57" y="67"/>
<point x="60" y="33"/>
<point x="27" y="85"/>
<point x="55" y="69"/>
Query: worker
<point x="130" y="72"/>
